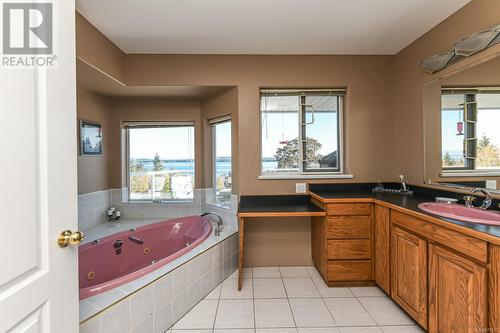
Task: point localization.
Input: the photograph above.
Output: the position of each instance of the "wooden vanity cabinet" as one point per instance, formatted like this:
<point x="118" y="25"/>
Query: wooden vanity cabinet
<point x="447" y="279"/>
<point x="381" y="239"/>
<point x="342" y="243"/>
<point x="409" y="273"/>
<point x="457" y="293"/>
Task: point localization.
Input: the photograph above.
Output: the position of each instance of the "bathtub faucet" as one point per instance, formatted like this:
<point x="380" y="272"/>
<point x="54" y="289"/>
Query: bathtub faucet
<point x="135" y="239"/>
<point x="219" y="227"/>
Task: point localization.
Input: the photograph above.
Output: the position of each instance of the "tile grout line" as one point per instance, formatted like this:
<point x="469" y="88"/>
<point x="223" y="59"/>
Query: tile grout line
<point x="217" y="307"/>
<point x="288" y="300"/>
<point x="323" y="300"/>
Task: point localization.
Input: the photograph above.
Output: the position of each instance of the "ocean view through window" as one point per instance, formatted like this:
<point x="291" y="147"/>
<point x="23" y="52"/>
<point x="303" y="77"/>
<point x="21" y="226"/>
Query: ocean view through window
<point x="222" y="173"/>
<point x="160" y="161"/>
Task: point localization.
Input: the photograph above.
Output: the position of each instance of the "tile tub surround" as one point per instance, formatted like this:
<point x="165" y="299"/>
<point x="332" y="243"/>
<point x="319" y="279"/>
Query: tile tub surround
<point x="267" y="304"/>
<point x="174" y="288"/>
<point x="92" y="207"/>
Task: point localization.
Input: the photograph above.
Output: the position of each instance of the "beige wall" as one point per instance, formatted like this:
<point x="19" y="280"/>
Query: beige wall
<point x="369" y="103"/>
<point x="97" y="50"/>
<point x="223" y="104"/>
<point x="409" y="79"/>
<point x="93" y="171"/>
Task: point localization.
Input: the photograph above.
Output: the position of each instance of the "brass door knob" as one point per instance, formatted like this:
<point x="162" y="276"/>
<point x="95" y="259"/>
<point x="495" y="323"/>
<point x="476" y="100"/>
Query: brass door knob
<point x="67" y="237"/>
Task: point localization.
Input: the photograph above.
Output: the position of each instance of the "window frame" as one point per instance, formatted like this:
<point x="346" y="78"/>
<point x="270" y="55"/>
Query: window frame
<point x="303" y="171"/>
<point x="126" y="126"/>
<point x="213" y="123"/>
<point x="470" y="98"/>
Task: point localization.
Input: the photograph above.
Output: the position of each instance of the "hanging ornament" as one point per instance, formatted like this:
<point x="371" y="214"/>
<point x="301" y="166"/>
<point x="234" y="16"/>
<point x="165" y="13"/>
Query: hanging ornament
<point x="460" y="124"/>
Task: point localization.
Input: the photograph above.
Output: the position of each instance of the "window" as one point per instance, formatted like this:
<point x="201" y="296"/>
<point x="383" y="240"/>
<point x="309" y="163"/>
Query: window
<point x="470" y="136"/>
<point x="301" y="131"/>
<point x="160" y="161"/>
<point x="221" y="139"/>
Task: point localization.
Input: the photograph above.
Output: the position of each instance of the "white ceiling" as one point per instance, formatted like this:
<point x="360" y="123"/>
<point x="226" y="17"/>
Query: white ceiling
<point x="265" y="26"/>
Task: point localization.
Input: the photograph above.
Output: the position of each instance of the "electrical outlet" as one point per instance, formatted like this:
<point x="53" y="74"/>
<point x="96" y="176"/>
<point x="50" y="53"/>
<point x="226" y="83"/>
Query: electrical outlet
<point x="300" y="188"/>
<point x="491" y="184"/>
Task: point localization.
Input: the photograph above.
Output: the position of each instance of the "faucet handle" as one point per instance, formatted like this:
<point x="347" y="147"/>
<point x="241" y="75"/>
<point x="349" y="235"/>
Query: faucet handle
<point x="469" y="199"/>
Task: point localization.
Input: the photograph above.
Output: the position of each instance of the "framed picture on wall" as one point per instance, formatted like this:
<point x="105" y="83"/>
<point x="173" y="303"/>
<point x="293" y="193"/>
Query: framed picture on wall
<point x="90" y="138"/>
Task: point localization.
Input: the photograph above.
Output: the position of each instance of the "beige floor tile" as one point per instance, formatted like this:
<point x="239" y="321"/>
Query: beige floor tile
<point x="269" y="288"/>
<point x="360" y="330"/>
<point x="235" y="314"/>
<point x="300" y="287"/>
<point x="348" y="312"/>
<point x="311" y="312"/>
<point x="202" y="316"/>
<point x="230" y="289"/>
<point x="326" y="291"/>
<point x="367" y="291"/>
<point x="247" y="273"/>
<point x="294" y="271"/>
<point x="385" y="312"/>
<point x="273" y="313"/>
<point x="265" y="272"/>
<point x="402" y="329"/>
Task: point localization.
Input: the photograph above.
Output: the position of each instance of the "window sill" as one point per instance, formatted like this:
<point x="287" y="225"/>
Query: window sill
<point x="173" y="202"/>
<point x="308" y="176"/>
<point x="218" y="205"/>
<point x="451" y="174"/>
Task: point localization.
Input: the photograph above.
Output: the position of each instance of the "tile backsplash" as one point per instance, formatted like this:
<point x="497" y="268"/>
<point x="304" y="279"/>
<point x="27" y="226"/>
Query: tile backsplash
<point x="92" y="207"/>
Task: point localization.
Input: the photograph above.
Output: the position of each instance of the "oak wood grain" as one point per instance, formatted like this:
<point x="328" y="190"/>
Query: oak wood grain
<point x="348" y="227"/>
<point x="457" y="293"/>
<point x="470" y="246"/>
<point x="348" y="209"/>
<point x="349" y="248"/>
<point x="494" y="288"/>
<point x="318" y="244"/>
<point x="381" y="220"/>
<point x="409" y="273"/>
<point x="349" y="270"/>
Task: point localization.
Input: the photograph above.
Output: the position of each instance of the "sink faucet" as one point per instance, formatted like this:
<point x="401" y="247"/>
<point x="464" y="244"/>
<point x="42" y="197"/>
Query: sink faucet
<point x="219" y="227"/>
<point x="488" y="199"/>
<point x="403" y="180"/>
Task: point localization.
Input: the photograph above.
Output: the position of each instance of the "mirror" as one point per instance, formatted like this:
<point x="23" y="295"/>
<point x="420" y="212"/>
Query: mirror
<point x="461" y="115"/>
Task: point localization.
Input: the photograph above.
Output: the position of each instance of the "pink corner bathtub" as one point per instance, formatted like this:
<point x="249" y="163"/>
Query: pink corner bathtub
<point x="120" y="258"/>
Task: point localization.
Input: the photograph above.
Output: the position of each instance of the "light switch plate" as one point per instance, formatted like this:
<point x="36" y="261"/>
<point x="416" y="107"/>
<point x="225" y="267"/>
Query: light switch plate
<point x="300" y="188"/>
<point x="491" y="184"/>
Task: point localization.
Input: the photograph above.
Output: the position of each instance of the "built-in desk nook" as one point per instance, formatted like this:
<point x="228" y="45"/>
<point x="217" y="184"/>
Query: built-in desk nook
<point x="272" y="206"/>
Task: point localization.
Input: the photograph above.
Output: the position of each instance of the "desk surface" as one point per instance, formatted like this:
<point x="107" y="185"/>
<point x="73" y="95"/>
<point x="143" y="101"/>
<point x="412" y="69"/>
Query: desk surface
<point x="278" y="205"/>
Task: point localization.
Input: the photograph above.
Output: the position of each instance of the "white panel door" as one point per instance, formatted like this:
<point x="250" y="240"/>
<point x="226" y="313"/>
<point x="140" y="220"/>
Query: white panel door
<point x="38" y="188"/>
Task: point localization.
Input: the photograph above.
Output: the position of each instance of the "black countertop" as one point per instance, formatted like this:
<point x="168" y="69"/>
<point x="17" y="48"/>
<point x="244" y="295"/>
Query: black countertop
<point x="277" y="204"/>
<point x="332" y="191"/>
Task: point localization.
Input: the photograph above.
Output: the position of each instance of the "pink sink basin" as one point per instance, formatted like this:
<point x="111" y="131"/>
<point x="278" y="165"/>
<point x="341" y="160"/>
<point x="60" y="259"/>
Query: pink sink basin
<point x="461" y="213"/>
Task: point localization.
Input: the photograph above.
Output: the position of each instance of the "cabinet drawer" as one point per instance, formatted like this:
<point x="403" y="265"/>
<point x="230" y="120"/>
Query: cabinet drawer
<point x="468" y="245"/>
<point x="349" y="249"/>
<point x="348" y="209"/>
<point x="349" y="270"/>
<point x="348" y="227"/>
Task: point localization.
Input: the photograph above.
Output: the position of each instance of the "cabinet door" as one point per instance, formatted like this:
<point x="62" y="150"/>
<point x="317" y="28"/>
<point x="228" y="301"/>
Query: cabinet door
<point x="457" y="293"/>
<point x="382" y="241"/>
<point x="409" y="273"/>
